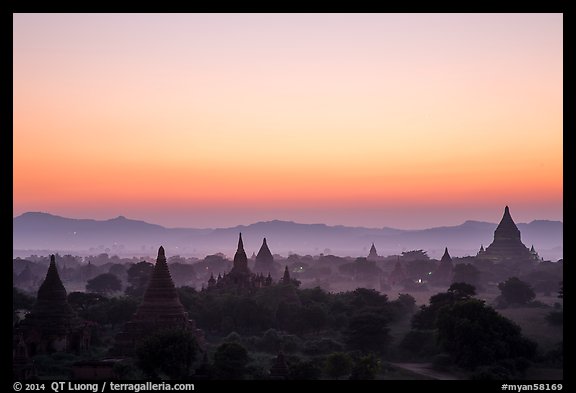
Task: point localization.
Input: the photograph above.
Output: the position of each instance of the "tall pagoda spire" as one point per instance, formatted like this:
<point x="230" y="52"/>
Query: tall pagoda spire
<point x="507" y="244"/>
<point x="264" y="252"/>
<point x="264" y="262"/>
<point x="446" y="257"/>
<point x="286" y="277"/>
<point x="240" y="243"/>
<point x="507" y="229"/>
<point x="160" y="309"/>
<point x="373" y="254"/>
<point x="240" y="258"/>
<point x="160" y="299"/>
<point x="52" y="302"/>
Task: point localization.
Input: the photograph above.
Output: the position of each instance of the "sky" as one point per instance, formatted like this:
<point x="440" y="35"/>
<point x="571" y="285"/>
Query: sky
<point x="212" y="120"/>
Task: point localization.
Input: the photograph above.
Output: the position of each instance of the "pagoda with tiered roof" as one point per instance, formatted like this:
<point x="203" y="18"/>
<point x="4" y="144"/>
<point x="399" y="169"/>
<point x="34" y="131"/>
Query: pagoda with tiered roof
<point x="507" y="244"/>
<point x="52" y="325"/>
<point x="160" y="309"/>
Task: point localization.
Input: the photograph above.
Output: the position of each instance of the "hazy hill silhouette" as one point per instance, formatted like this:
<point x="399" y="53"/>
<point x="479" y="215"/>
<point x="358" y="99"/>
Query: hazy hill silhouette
<point x="43" y="231"/>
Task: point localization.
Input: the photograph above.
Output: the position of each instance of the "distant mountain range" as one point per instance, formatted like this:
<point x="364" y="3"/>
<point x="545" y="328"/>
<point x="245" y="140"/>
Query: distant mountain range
<point x="36" y="232"/>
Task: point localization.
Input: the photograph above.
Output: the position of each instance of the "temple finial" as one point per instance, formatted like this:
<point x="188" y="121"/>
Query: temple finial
<point x="240" y="243"/>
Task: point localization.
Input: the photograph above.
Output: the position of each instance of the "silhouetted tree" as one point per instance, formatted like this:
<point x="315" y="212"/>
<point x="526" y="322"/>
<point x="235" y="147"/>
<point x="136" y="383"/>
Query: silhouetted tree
<point x="337" y="365"/>
<point x="367" y="332"/>
<point x="138" y="276"/>
<point x="169" y="352"/>
<point x="304" y="371"/>
<point x="419" y="269"/>
<point x="21" y="299"/>
<point x="104" y="284"/>
<point x="475" y="335"/>
<point x="365" y="367"/>
<point x="425" y="318"/>
<point x="230" y="361"/>
<point x="415" y="255"/>
<point x="83" y="301"/>
<point x="120" y="309"/>
<point x="516" y="291"/>
<point x="462" y="290"/>
<point x="315" y="317"/>
<point x="467" y="273"/>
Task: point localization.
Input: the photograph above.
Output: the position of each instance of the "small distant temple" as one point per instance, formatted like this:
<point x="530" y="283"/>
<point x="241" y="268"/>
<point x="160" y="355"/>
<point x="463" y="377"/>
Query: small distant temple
<point x="240" y="279"/>
<point x="443" y="273"/>
<point x="51" y="326"/>
<point x="507" y="244"/>
<point x="160" y="309"/>
<point x="373" y="255"/>
<point x="264" y="263"/>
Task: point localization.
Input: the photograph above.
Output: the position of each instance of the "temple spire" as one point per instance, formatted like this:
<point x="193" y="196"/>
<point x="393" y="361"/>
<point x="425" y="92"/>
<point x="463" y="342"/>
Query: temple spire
<point x="160" y="309"/>
<point x="240" y="259"/>
<point x="446" y="257"/>
<point x="264" y="259"/>
<point x="160" y="298"/>
<point x="51" y="311"/>
<point x="286" y="277"/>
<point x="240" y="243"/>
<point x="507" y="229"/>
<point x="373" y="254"/>
<point x="507" y="244"/>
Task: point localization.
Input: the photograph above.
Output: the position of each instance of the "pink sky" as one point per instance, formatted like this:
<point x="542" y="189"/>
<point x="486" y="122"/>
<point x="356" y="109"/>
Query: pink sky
<point x="203" y="120"/>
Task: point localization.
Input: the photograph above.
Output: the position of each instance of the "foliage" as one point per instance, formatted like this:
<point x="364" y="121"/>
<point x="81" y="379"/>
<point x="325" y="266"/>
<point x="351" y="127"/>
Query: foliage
<point x="138" y="275"/>
<point x="321" y="346"/>
<point x="506" y="369"/>
<point x="338" y="364"/>
<point x="21" y="300"/>
<point x="467" y="273"/>
<point x="462" y="290"/>
<point x="83" y="301"/>
<point x="113" y="311"/>
<point x="168" y="352"/>
<point x="415" y="255"/>
<point x="475" y="335"/>
<point x="421" y="342"/>
<point x="304" y="371"/>
<point x="555" y="318"/>
<point x="230" y="361"/>
<point x="367" y="332"/>
<point x="426" y="318"/>
<point x="366" y="367"/>
<point x="104" y="284"/>
<point x="515" y="291"/>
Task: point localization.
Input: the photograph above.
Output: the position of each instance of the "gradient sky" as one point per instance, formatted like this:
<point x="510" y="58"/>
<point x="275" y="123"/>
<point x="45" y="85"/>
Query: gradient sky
<point x="205" y="120"/>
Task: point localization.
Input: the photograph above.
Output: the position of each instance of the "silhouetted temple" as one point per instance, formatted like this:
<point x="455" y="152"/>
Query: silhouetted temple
<point x="160" y="309"/>
<point x="52" y="325"/>
<point x="264" y="261"/>
<point x="373" y="255"/>
<point x="507" y="245"/>
<point x="443" y="273"/>
<point x="240" y="279"/>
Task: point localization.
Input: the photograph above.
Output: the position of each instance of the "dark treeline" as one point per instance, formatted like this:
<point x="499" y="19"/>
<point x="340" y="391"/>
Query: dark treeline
<point x="357" y="334"/>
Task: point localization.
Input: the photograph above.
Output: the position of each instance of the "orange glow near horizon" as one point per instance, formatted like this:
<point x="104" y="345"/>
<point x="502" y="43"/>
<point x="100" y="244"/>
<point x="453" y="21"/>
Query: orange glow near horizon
<point x="144" y="114"/>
